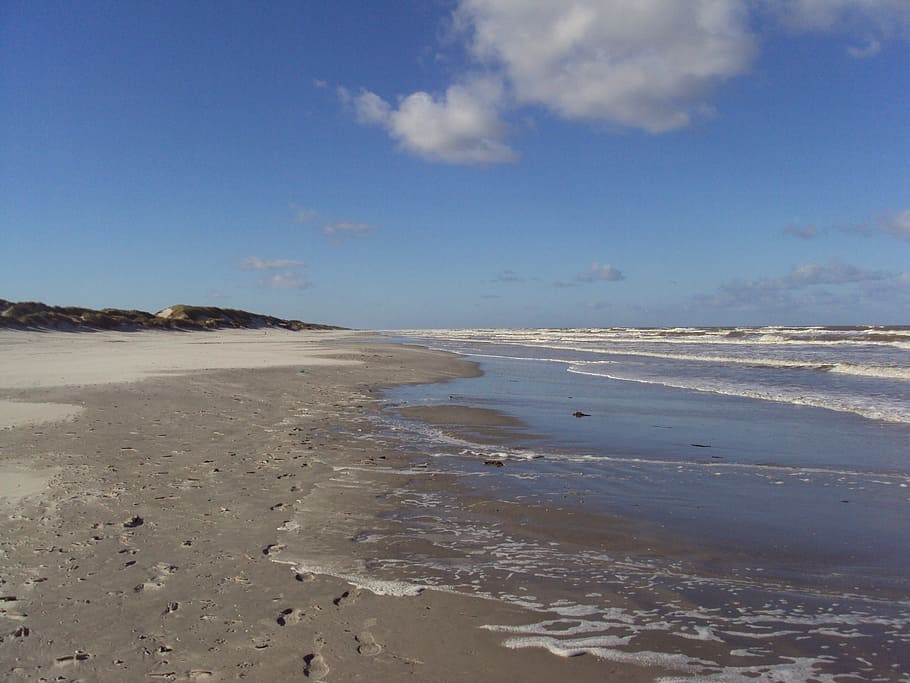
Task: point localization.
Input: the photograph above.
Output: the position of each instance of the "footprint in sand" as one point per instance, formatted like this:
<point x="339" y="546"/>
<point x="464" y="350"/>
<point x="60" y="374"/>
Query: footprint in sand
<point x="347" y="598"/>
<point x="314" y="666"/>
<point x="289" y="616"/>
<point x="11" y="614"/>
<point x="367" y="645"/>
<point x="74" y="658"/>
<point x="162" y="571"/>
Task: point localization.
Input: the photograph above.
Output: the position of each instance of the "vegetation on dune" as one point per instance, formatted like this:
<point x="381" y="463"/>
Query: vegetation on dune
<point x="26" y="315"/>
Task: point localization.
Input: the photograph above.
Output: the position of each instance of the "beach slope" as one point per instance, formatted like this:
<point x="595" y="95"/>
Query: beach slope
<point x="149" y="479"/>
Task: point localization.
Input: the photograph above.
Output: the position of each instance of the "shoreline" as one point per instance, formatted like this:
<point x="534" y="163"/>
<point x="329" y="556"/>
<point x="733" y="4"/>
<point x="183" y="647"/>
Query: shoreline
<point x="151" y="554"/>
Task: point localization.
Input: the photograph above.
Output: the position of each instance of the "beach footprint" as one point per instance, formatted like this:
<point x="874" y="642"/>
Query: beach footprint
<point x="289" y="616"/>
<point x="347" y="598"/>
<point x="367" y="645"/>
<point x="314" y="666"/>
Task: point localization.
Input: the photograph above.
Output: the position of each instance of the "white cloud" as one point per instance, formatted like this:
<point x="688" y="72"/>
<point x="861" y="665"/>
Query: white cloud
<point x="256" y="263"/>
<point x="642" y="64"/>
<point x="287" y="280"/>
<point x="870" y="49"/>
<point x="807" y="233"/>
<point x="890" y="224"/>
<point x="303" y="215"/>
<point x="646" y="64"/>
<point x="802" y="287"/>
<point x="834" y="273"/>
<point x="808" y="291"/>
<point x="897" y="225"/>
<point x="344" y="230"/>
<point x="601" y="272"/>
<point x="370" y="108"/>
<point x="868" y="21"/>
<point x="885" y="17"/>
<point x="460" y="127"/>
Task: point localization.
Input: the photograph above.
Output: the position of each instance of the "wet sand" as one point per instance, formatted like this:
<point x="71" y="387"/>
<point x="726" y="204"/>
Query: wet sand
<point x="144" y="537"/>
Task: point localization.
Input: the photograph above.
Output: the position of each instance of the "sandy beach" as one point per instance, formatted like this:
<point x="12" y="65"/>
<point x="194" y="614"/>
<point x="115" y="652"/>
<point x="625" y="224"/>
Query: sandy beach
<point x="149" y="481"/>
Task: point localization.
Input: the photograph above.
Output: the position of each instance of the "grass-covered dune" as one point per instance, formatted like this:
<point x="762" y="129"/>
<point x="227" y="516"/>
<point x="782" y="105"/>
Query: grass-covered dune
<point x="30" y="315"/>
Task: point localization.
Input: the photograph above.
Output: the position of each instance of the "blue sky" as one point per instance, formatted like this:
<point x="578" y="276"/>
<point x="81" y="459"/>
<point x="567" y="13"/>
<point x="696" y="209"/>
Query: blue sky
<point x="461" y="163"/>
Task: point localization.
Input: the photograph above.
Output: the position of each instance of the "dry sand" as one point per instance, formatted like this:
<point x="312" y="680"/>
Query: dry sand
<point x="139" y="532"/>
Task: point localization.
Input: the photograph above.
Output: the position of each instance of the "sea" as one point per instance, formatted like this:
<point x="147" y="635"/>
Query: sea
<point x="726" y="504"/>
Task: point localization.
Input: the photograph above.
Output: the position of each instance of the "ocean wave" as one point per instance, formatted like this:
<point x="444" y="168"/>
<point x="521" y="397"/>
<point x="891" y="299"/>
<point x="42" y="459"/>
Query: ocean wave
<point x="895" y="367"/>
<point x="896" y="336"/>
<point x="900" y="373"/>
<point x="872" y="407"/>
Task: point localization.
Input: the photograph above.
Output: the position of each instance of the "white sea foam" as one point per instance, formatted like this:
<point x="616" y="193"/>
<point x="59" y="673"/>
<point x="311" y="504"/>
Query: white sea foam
<point x="868" y="368"/>
<point x="872" y="407"/>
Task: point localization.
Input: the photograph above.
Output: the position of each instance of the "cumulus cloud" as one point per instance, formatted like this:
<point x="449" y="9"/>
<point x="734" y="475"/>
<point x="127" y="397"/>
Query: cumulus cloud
<point x="256" y="263"/>
<point x="650" y="65"/>
<point x="645" y="65"/>
<point x="286" y="280"/>
<point x="461" y="126"/>
<point x="345" y="230"/>
<point x="601" y="272"/>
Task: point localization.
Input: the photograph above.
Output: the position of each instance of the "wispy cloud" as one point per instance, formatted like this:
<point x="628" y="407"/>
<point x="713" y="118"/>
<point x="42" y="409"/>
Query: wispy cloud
<point x="304" y="215"/>
<point x="804" y="287"/>
<point x="601" y="272"/>
<point x="885" y="224"/>
<point x="870" y="49"/>
<point x="337" y="231"/>
<point x="876" y="18"/>
<point x="807" y="233"/>
<point x="256" y="263"/>
<point x="896" y="225"/>
<point x="869" y="22"/>
<point x="506" y="276"/>
<point x="833" y="273"/>
<point x="345" y="230"/>
<point x="290" y="277"/>
<point x="286" y="280"/>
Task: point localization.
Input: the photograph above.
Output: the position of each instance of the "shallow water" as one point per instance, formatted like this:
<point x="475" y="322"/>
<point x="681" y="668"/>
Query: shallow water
<point x="723" y="537"/>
